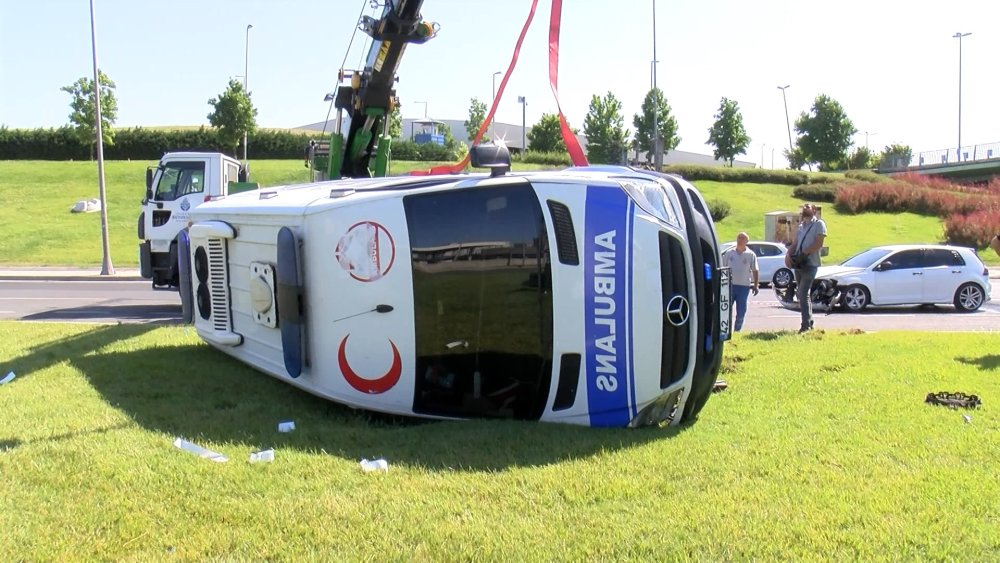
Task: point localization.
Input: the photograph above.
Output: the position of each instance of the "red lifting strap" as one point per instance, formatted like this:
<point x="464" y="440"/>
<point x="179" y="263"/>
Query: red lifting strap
<point x="575" y="152"/>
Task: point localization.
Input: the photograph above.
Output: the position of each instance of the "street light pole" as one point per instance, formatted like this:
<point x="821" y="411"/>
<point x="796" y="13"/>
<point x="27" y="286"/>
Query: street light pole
<point x="959" y="36"/>
<point x="762" y="146"/>
<point x="492" y="129"/>
<point x="657" y="150"/>
<point x="524" y="112"/>
<point x="246" y="68"/>
<point x="107" y="269"/>
<point x="866" y="138"/>
<point x="788" y="123"/>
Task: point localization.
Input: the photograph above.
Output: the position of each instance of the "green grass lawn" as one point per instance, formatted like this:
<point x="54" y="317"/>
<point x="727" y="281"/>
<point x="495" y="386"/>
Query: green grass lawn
<point x="35" y="198"/>
<point x="821" y="448"/>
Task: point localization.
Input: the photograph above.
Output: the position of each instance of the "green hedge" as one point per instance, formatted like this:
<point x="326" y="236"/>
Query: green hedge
<point x="693" y="172"/>
<point x="143" y="144"/>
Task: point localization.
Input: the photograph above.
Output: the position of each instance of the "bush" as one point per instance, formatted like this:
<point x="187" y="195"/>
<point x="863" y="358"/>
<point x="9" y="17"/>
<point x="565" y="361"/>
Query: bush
<point x="719" y="209"/>
<point x="552" y="158"/>
<point x="817" y="192"/>
<point x="973" y="229"/>
<point x="144" y="144"/>
<point x="694" y="172"/>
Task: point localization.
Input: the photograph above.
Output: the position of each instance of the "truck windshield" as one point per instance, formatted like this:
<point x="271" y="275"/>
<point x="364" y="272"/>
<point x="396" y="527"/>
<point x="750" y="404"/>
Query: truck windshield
<point x="178" y="179"/>
<point x="482" y="292"/>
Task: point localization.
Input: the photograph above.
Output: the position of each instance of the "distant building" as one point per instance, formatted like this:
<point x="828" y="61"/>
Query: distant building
<point x="511" y="134"/>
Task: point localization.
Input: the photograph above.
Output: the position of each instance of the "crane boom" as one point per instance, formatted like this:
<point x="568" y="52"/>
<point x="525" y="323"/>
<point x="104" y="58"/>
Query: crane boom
<point x="370" y="96"/>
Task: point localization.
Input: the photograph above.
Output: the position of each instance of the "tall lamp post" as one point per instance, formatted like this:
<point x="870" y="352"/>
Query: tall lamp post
<point x="246" y="68"/>
<point x="492" y="130"/>
<point x="107" y="268"/>
<point x="788" y="123"/>
<point x="524" y="112"/>
<point x="959" y="35"/>
<point x="657" y="149"/>
<point x="866" y="138"/>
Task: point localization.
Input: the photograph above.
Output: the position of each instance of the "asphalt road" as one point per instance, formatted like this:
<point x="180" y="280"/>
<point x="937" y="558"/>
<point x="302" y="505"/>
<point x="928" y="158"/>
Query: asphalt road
<point x="108" y="301"/>
<point x="134" y="301"/>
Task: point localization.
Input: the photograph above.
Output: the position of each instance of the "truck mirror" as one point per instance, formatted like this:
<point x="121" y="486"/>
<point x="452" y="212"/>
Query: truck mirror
<point x="149" y="184"/>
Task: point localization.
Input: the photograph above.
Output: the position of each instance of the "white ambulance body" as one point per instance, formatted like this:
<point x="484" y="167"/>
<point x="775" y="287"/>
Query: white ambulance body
<point x="590" y="296"/>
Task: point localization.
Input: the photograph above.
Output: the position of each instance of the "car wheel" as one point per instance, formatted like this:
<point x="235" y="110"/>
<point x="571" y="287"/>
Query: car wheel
<point x="969" y="297"/>
<point x="856" y="298"/>
<point x="782" y="278"/>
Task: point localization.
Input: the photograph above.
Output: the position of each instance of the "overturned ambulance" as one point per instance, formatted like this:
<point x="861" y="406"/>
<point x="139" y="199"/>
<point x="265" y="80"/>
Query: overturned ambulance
<point x="590" y="296"/>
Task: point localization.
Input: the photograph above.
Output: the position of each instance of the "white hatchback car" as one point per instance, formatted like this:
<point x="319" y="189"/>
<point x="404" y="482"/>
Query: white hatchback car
<point x="770" y="261"/>
<point x="911" y="274"/>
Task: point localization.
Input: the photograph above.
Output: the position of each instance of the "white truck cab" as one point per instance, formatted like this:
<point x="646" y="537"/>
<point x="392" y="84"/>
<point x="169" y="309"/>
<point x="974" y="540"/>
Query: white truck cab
<point x="179" y="183"/>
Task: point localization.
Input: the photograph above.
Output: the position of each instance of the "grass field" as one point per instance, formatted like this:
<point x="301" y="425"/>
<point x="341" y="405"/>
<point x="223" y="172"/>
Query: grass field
<point x="35" y="198"/>
<point x="821" y="449"/>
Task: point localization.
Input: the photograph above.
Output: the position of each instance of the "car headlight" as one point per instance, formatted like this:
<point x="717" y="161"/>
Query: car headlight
<point x="652" y="198"/>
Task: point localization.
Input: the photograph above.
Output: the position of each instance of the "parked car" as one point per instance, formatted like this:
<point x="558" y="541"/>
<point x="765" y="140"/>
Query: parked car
<point x="770" y="261"/>
<point x="911" y="274"/>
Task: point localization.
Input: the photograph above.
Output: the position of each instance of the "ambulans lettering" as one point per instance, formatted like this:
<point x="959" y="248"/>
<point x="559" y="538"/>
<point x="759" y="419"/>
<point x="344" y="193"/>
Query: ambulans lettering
<point x="608" y="367"/>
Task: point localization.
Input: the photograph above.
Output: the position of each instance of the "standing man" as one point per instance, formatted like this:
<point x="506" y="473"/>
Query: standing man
<point x="803" y="256"/>
<point x="742" y="263"/>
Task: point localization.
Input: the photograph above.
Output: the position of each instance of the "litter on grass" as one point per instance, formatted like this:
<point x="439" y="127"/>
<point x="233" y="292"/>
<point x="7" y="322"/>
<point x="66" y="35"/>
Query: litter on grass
<point x="199" y="451"/>
<point x="369" y="465"/>
<point x="10" y="377"/>
<point x="286" y="426"/>
<point x="263" y="456"/>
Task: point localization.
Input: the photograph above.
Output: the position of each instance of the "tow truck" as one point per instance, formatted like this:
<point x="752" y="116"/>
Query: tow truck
<point x="180" y="182"/>
<point x="593" y="295"/>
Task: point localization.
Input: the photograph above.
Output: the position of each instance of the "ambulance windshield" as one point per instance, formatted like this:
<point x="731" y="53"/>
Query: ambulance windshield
<point x="483" y="302"/>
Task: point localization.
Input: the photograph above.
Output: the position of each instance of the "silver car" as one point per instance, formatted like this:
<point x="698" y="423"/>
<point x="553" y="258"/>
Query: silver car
<point x="911" y="274"/>
<point x="770" y="261"/>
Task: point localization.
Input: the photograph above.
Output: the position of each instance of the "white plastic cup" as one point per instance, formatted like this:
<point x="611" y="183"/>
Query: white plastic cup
<point x="286" y="426"/>
<point x="263" y="456"/>
<point x="370" y="465"/>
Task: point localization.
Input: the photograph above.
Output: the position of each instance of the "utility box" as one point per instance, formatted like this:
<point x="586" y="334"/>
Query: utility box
<point x="780" y="226"/>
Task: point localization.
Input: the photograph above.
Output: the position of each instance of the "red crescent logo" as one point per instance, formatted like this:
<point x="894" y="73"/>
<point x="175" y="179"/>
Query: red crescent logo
<point x="375" y="386"/>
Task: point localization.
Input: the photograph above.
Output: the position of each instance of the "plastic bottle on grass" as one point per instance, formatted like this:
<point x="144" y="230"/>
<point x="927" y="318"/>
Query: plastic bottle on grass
<point x="370" y="465"/>
<point x="263" y="456"/>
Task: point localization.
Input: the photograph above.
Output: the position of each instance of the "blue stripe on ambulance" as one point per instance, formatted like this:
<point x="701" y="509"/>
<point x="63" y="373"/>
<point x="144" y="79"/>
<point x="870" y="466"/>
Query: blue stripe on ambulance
<point x="610" y="391"/>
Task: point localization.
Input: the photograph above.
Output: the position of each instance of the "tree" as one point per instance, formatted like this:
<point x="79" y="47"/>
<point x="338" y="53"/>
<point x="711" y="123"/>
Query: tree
<point x="546" y="135"/>
<point x="477" y="115"/>
<point x="233" y="114"/>
<point x="825" y="133"/>
<point x="665" y="122"/>
<point x="84" y="114"/>
<point x="727" y="134"/>
<point x="604" y="127"/>
<point x="449" y="139"/>
<point x="396" y="123"/>
<point x="861" y="159"/>
<point x="896" y="156"/>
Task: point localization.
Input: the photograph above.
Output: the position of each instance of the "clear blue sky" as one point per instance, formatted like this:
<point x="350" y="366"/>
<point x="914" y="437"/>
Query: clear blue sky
<point x="892" y="64"/>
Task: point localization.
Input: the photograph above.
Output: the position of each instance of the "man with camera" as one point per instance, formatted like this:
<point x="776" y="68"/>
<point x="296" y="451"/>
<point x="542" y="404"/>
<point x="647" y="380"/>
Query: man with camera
<point x="803" y="257"/>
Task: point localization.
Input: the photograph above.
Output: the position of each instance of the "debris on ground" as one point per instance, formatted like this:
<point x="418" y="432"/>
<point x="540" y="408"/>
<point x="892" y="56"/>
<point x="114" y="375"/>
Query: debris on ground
<point x="720" y="385"/>
<point x="286" y="426"/>
<point x="8" y="378"/>
<point x="953" y="400"/>
<point x="369" y="465"/>
<point x="200" y="451"/>
<point x="263" y="456"/>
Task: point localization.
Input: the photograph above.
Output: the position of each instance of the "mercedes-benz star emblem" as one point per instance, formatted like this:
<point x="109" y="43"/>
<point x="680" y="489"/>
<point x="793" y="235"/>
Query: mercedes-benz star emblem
<point x="678" y="310"/>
